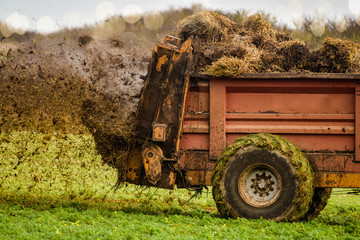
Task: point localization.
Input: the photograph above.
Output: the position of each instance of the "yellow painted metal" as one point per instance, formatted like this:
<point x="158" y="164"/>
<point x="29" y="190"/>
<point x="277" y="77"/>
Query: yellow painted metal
<point x="133" y="166"/>
<point x="162" y="61"/>
<point x="337" y="180"/>
<point x="172" y="178"/>
<point x="152" y="156"/>
<point x="198" y="178"/>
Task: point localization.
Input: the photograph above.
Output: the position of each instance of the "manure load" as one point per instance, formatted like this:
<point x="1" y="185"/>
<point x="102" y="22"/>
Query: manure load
<point x="229" y="49"/>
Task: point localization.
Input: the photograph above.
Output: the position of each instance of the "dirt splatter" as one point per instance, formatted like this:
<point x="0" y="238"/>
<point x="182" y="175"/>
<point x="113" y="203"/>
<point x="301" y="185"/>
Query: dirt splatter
<point x="69" y="82"/>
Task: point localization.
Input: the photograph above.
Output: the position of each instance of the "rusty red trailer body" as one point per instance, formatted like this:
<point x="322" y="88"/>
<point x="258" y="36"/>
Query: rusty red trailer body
<point x="319" y="113"/>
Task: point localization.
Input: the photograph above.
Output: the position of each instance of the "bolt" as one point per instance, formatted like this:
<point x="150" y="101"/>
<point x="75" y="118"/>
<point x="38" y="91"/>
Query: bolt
<point x="254" y="192"/>
<point x="264" y="174"/>
<point x="272" y="182"/>
<point x="271" y="189"/>
<point x="257" y="175"/>
<point x="262" y="184"/>
<point x="269" y="177"/>
<point x="252" y="186"/>
<point x="253" y="179"/>
<point x="267" y="194"/>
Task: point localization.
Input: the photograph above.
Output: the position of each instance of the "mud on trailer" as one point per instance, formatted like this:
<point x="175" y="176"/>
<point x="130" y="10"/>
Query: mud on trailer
<point x="271" y="145"/>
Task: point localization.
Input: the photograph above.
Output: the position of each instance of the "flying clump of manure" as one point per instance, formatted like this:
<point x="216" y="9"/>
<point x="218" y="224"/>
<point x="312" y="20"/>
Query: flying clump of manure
<point x="228" y="49"/>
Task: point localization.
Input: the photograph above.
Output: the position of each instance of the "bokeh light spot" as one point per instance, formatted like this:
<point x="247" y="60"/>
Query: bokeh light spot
<point x="23" y="25"/>
<point x="5" y="29"/>
<point x="341" y="24"/>
<point x="45" y="25"/>
<point x="112" y="27"/>
<point x="102" y="31"/>
<point x="131" y="13"/>
<point x="324" y="9"/>
<point x="317" y="27"/>
<point x="295" y="6"/>
<point x="129" y="36"/>
<point x="105" y="10"/>
<point x="153" y="20"/>
<point x="358" y="20"/>
<point x="291" y="13"/>
<point x="16" y="23"/>
<point x="354" y="6"/>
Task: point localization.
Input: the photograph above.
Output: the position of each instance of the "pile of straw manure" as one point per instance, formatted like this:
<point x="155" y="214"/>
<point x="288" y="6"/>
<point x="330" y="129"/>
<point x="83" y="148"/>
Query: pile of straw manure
<point x="228" y="49"/>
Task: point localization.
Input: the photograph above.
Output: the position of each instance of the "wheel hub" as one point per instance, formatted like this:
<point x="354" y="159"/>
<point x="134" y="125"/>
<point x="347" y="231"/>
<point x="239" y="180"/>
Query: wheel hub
<point x="260" y="185"/>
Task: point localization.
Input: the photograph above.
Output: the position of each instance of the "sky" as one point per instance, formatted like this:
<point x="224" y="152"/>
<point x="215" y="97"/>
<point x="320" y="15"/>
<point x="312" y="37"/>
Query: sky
<point x="50" y="15"/>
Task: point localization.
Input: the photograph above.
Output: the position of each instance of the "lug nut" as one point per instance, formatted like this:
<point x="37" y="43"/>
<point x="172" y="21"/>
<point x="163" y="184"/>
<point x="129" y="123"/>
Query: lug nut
<point x="252" y="186"/>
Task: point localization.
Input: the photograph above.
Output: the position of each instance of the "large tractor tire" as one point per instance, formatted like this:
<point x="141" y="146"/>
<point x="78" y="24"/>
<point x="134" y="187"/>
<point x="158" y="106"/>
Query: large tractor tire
<point x="263" y="176"/>
<point x="319" y="201"/>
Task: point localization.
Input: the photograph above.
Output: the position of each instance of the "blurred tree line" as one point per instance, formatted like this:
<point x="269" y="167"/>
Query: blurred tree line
<point x="347" y="28"/>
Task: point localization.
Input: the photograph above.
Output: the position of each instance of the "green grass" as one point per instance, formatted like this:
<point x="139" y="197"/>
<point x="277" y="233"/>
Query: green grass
<point x="140" y="216"/>
<point x="73" y="208"/>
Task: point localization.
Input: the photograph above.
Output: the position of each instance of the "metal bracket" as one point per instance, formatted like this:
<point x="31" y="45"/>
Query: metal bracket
<point x="152" y="156"/>
<point x="159" y="132"/>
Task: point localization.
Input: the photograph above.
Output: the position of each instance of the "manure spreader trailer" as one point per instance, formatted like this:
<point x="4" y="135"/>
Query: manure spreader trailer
<point x="271" y="145"/>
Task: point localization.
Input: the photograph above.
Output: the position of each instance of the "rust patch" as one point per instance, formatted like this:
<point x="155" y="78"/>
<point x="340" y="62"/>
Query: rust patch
<point x="193" y="160"/>
<point x="199" y="178"/>
<point x="161" y="61"/>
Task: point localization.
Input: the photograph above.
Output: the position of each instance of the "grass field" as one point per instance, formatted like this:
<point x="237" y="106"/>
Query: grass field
<point x="56" y="187"/>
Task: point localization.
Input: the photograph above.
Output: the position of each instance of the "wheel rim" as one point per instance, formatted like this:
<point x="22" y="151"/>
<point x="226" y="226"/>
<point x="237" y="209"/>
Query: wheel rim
<point x="260" y="185"/>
